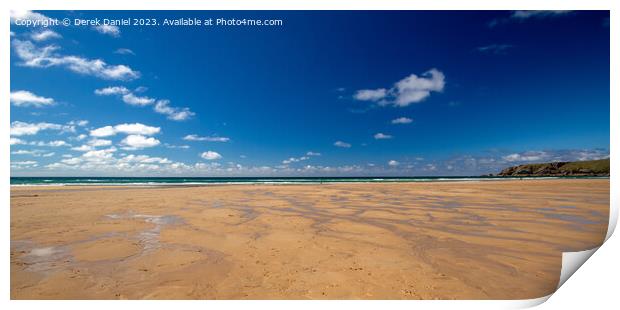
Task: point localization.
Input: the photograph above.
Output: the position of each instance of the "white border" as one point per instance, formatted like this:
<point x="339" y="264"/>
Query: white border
<point x="596" y="287"/>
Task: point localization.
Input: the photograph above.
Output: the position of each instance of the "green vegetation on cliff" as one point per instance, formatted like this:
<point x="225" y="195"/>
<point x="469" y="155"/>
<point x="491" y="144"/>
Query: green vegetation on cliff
<point x="577" y="168"/>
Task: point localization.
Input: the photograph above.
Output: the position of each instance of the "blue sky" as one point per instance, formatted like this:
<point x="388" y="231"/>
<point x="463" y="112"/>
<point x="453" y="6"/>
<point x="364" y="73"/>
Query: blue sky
<point x="326" y="93"/>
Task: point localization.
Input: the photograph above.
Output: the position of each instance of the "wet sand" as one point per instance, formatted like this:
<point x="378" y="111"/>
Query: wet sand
<point x="432" y="240"/>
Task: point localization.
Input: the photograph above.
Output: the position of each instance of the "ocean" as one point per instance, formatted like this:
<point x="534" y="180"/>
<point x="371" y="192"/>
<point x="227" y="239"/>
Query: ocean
<point x="246" y="180"/>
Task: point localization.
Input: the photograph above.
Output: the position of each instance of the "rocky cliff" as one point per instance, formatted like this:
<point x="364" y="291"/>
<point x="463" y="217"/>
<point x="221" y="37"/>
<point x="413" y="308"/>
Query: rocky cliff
<point x="577" y="168"/>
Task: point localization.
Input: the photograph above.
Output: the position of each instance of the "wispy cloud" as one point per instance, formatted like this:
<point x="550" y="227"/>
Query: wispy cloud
<point x="28" y="15"/>
<point x="80" y="123"/>
<point x="54" y="143"/>
<point x="44" y="35"/>
<point x="24" y="98"/>
<point x="294" y="160"/>
<point x="411" y="89"/>
<point x="342" y="144"/>
<point x="172" y="113"/>
<point x="172" y="146"/>
<point x="537" y="14"/>
<point x="382" y="136"/>
<point x="124" y="51"/>
<point x="113" y="90"/>
<point x="161" y="106"/>
<point x="555" y="156"/>
<point x="110" y="30"/>
<point x="47" y="56"/>
<point x="34" y="153"/>
<point x="521" y="16"/>
<point x="498" y="49"/>
<point x="402" y="120"/>
<point x="370" y="94"/>
<point x="132" y="99"/>
<point x="26" y="129"/>
<point x="194" y="137"/>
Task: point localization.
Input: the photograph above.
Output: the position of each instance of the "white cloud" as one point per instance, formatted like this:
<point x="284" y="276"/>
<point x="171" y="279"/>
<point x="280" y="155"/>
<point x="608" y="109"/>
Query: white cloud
<point x="124" y="51"/>
<point x="173" y="113"/>
<point x="137" y="129"/>
<point x="130" y="129"/>
<point x="100" y="156"/>
<point x="411" y="89"/>
<point x="417" y="88"/>
<point x="35" y="153"/>
<point x="526" y="156"/>
<point x="555" y="156"/>
<point x="494" y="48"/>
<point x="144" y="159"/>
<point x="24" y="98"/>
<point x="29" y="15"/>
<point x="521" y="16"/>
<point x="402" y="120"/>
<point x="72" y="161"/>
<point x="382" y="136"/>
<point x="99" y="142"/>
<point x="537" y="14"/>
<point x="25" y="152"/>
<point x="210" y="155"/>
<point x="310" y="153"/>
<point x="105" y="131"/>
<point x="171" y="146"/>
<point x="46" y="34"/>
<point x="132" y="99"/>
<point x="294" y="160"/>
<point x="112" y="90"/>
<point x="80" y="123"/>
<point x="109" y="30"/>
<point x="16" y="141"/>
<point x="162" y="106"/>
<point x="370" y="94"/>
<point x="393" y="163"/>
<point x="105" y="163"/>
<point x="194" y="137"/>
<point x="342" y="144"/>
<point x="47" y="56"/>
<point x="22" y="163"/>
<point x="25" y="129"/>
<point x="55" y="143"/>
<point x="83" y="148"/>
<point x="135" y="142"/>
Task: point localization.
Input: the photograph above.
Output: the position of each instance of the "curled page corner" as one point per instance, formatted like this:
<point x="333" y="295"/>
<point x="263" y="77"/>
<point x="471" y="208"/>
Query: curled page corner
<point x="530" y="303"/>
<point x="571" y="261"/>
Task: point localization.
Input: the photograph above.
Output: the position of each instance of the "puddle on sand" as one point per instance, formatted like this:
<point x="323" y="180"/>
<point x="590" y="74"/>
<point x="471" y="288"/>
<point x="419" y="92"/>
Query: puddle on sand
<point x="150" y="238"/>
<point x="41" y="259"/>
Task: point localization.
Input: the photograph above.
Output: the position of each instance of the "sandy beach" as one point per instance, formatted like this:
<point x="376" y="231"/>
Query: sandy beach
<point x="426" y="240"/>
